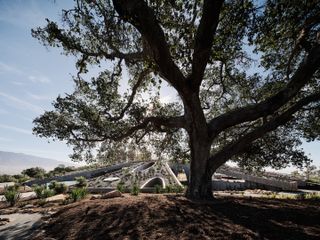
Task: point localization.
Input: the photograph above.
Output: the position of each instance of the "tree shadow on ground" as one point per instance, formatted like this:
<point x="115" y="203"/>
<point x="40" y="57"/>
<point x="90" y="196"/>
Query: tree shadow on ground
<point x="174" y="217"/>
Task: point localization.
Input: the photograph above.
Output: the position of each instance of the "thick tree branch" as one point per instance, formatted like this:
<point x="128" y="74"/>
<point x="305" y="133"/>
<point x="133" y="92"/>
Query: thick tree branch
<point x="142" y="17"/>
<point x="239" y="145"/>
<point x="250" y="113"/>
<point x="158" y="122"/>
<point x="204" y="39"/>
<point x="141" y="77"/>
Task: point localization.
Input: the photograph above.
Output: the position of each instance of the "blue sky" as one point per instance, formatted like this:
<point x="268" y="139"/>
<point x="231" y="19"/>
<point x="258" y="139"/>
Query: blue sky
<point x="32" y="76"/>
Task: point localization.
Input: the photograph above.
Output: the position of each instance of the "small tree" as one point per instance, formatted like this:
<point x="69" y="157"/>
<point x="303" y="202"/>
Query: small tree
<point x="81" y="182"/>
<point x="11" y="195"/>
<point x="34" y="172"/>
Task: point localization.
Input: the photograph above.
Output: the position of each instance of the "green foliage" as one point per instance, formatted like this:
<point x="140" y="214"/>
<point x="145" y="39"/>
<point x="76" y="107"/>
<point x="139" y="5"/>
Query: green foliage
<point x="38" y="189"/>
<point x="121" y="187"/>
<point x="157" y="188"/>
<point x="7" y="178"/>
<point x="81" y="182"/>
<point x="47" y="193"/>
<point x="60" y="170"/>
<point x="57" y="187"/>
<point x="35" y="172"/>
<point x="169" y="189"/>
<point x="178" y="188"/>
<point x="42" y="192"/>
<point x="18" y="178"/>
<point x="175" y="188"/>
<point x="135" y="189"/>
<point x="41" y="202"/>
<point x="11" y="195"/>
<point x="77" y="194"/>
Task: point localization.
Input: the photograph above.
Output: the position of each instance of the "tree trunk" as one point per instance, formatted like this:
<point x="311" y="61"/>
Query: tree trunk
<point x="199" y="187"/>
<point x="200" y="183"/>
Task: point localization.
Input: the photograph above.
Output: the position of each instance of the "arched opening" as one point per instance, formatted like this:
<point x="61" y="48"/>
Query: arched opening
<point x="153" y="182"/>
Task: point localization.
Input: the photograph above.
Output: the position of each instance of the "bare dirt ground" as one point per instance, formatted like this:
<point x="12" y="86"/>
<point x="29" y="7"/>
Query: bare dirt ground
<point x="174" y="217"/>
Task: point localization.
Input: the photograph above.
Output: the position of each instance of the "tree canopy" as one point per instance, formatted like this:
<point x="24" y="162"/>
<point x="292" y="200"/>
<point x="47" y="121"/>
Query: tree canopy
<point x="246" y="75"/>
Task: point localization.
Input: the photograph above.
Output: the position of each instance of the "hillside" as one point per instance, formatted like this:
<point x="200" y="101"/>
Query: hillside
<point x="14" y="163"/>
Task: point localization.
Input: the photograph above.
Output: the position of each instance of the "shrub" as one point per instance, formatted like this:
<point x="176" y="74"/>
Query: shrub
<point x="81" y="182"/>
<point x="135" y="190"/>
<point x="178" y="188"/>
<point x="12" y="195"/>
<point x="47" y="193"/>
<point x="34" y="172"/>
<point x="120" y="187"/>
<point x="78" y="193"/>
<point x="58" y="187"/>
<point x="42" y="192"/>
<point x="169" y="189"/>
<point x="157" y="188"/>
<point x="38" y="189"/>
<point x="42" y="202"/>
<point x="7" y="178"/>
<point x="313" y="196"/>
<point x="14" y="187"/>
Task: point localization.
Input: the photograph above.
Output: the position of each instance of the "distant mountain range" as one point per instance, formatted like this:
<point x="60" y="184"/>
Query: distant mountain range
<point x="14" y="163"/>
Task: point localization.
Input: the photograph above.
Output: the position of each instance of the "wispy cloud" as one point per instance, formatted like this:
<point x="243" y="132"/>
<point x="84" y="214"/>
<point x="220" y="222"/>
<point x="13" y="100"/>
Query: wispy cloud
<point x="39" y="79"/>
<point x="36" y="77"/>
<point x="21" y="104"/>
<point x="39" y="97"/>
<point x="16" y="129"/>
<point x="9" y="68"/>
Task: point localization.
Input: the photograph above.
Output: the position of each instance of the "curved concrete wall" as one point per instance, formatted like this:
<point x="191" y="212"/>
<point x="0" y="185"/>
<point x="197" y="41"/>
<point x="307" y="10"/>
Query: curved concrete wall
<point x="153" y="182"/>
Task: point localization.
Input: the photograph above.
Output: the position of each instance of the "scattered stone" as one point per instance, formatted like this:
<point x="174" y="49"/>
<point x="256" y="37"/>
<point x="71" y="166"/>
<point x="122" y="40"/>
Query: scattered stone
<point x="4" y="221"/>
<point x="57" y="198"/>
<point x="28" y="206"/>
<point x="112" y="194"/>
<point x="94" y="197"/>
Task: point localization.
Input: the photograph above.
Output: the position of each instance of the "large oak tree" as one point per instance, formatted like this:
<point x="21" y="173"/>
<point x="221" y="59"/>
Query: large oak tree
<point x="246" y="74"/>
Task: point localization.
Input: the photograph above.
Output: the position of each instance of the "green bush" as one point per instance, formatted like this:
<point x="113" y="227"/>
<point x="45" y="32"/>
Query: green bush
<point x="313" y="196"/>
<point x="158" y="188"/>
<point x="77" y="194"/>
<point x="6" y="178"/>
<point x="11" y="195"/>
<point x="81" y="182"/>
<point x="178" y="188"/>
<point x="58" y="187"/>
<point x="120" y="187"/>
<point x="135" y="190"/>
<point x="42" y="192"/>
<point x="47" y="193"/>
<point x="169" y="189"/>
<point x="38" y="189"/>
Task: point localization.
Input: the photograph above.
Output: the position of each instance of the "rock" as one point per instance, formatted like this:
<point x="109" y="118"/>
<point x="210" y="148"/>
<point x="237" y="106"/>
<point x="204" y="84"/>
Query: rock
<point x="94" y="197"/>
<point x="56" y="198"/>
<point x="112" y="194"/>
<point x="4" y="221"/>
<point x="28" y="206"/>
